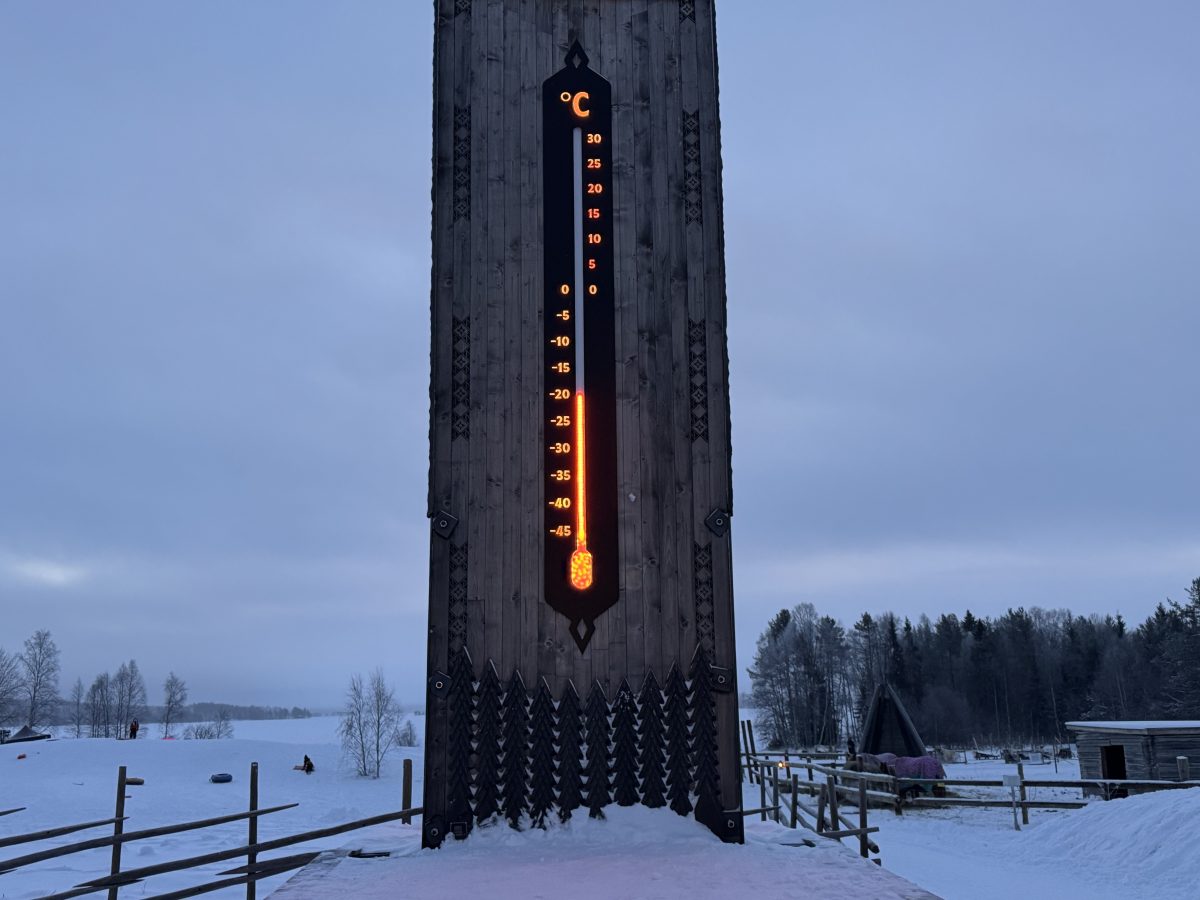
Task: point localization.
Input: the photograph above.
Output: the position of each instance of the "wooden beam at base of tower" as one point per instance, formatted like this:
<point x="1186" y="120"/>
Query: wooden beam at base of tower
<point x="581" y="643"/>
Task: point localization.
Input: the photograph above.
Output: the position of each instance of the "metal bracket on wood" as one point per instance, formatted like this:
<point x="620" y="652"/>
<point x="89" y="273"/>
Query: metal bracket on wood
<point x="722" y="679"/>
<point x="718" y="522"/>
<point x="439" y="684"/>
<point x="460" y="830"/>
<point x="434" y="833"/>
<point x="443" y="524"/>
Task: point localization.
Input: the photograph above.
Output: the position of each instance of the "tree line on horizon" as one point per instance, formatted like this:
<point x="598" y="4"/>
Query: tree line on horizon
<point x="1001" y="681"/>
<point x="29" y="695"/>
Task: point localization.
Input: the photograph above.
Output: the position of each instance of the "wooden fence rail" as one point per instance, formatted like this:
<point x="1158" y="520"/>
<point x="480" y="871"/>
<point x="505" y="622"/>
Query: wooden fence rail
<point x="254" y="870"/>
<point x="7" y="865"/>
<point x="837" y="827"/>
<point x="890" y="790"/>
<point x="48" y="833"/>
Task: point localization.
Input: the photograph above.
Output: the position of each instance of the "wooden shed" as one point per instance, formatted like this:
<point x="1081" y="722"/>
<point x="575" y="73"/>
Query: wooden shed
<point x="1139" y="751"/>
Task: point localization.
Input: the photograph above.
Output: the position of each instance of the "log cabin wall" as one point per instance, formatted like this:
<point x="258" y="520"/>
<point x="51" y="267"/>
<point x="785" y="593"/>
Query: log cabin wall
<point x="1167" y="747"/>
<point x="503" y="668"/>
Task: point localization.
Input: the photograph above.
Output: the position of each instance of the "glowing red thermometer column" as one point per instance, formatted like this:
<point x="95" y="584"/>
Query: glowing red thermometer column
<point x="581" y="559"/>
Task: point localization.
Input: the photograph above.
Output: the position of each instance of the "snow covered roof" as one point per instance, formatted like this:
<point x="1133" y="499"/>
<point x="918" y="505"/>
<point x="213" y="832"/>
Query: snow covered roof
<point x="1143" y="727"/>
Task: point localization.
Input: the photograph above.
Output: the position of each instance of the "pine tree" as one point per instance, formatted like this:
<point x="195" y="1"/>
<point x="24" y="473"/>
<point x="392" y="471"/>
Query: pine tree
<point x="650" y="743"/>
<point x="458" y="775"/>
<point x="679" y="775"/>
<point x="488" y="722"/>
<point x="570" y="756"/>
<point x="624" y="737"/>
<point x="541" y="755"/>
<point x="704" y="740"/>
<point x="515" y="711"/>
<point x="598" y="770"/>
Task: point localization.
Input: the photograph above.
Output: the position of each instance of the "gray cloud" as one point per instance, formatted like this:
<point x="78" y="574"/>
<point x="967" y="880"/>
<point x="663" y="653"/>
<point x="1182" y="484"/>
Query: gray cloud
<point x="962" y="287"/>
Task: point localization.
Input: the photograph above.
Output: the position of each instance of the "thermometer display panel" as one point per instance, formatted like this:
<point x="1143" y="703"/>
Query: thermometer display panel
<point x="579" y="348"/>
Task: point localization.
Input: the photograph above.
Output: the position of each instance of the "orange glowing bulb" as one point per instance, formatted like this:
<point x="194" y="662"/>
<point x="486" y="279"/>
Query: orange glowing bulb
<point x="581" y="569"/>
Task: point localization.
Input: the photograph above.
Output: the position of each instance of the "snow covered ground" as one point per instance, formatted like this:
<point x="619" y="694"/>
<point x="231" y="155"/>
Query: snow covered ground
<point x="634" y="854"/>
<point x="66" y="781"/>
<point x="1144" y="847"/>
<point x="1141" y="848"/>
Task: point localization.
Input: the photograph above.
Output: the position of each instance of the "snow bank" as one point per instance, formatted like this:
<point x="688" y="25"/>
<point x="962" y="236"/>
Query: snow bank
<point x="635" y="852"/>
<point x="1149" y="843"/>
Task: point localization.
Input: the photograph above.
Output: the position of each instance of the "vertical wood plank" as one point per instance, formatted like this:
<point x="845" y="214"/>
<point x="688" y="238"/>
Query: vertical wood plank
<point x="487" y="269"/>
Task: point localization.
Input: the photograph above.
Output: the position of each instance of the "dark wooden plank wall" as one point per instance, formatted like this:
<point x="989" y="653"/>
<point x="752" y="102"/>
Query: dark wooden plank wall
<point x="1168" y="746"/>
<point x="1137" y="754"/>
<point x="490" y="59"/>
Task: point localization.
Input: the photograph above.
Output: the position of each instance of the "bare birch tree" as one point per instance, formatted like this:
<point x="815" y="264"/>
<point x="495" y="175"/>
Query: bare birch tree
<point x="77" y="709"/>
<point x="174" y="699"/>
<point x="40" y="663"/>
<point x="10" y="686"/>
<point x="384" y="720"/>
<point x="100" y="706"/>
<point x="370" y="725"/>
<point x="356" y="741"/>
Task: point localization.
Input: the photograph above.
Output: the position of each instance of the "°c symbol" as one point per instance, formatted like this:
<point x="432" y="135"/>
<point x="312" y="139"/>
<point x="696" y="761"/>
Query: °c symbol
<point x="576" y="106"/>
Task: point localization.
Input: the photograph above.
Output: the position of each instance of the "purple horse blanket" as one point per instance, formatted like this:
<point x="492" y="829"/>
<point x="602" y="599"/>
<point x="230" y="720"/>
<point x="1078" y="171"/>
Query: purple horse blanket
<point x="912" y="766"/>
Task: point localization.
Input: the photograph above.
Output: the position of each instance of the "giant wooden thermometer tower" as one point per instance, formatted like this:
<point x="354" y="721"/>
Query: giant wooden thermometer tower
<point x="581" y="645"/>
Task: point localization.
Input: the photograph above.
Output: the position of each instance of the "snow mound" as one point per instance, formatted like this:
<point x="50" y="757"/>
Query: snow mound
<point x="648" y="854"/>
<point x="1147" y="839"/>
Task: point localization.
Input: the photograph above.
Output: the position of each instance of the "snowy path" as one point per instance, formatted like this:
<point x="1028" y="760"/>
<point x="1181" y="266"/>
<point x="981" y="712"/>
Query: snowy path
<point x="635" y="854"/>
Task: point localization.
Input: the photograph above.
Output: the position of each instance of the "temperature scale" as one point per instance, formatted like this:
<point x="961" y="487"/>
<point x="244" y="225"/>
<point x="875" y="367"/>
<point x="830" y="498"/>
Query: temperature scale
<point x="580" y="460"/>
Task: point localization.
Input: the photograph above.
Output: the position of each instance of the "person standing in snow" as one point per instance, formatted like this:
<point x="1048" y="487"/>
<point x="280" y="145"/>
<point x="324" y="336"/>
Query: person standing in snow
<point x="133" y="730"/>
<point x="850" y="749"/>
<point x="307" y="765"/>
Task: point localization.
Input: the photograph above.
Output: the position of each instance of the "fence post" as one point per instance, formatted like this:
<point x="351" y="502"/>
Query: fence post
<point x="746" y="751"/>
<point x="1183" y="764"/>
<point x="775" y="790"/>
<point x="821" y="810"/>
<point x="1024" y="808"/>
<point x="899" y="808"/>
<point x="406" y="791"/>
<point x="795" y="797"/>
<point x="252" y="833"/>
<point x="762" y="792"/>
<point x="118" y="829"/>
<point x="863" y="850"/>
<point x="834" y="818"/>
<point x="753" y="746"/>
<point x="808" y="762"/>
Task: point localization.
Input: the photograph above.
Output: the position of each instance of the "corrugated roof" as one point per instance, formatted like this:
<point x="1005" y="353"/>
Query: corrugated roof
<point x="1143" y="727"/>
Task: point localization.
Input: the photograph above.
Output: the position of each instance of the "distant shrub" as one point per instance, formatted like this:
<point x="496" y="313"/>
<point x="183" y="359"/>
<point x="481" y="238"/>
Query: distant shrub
<point x="220" y="727"/>
<point x="406" y="734"/>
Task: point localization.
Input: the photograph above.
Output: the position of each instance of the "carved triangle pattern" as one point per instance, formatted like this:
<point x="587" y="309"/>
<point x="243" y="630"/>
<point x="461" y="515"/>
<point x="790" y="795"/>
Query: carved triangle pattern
<point x="458" y="598"/>
<point x="693" y="185"/>
<point x="462" y="163"/>
<point x="523" y="756"/>
<point x="687" y="10"/>
<point x="702" y="591"/>
<point x="460" y="379"/>
<point x="698" y="377"/>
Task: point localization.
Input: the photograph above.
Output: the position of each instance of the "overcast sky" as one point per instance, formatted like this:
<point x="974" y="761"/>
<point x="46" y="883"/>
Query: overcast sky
<point x="964" y="272"/>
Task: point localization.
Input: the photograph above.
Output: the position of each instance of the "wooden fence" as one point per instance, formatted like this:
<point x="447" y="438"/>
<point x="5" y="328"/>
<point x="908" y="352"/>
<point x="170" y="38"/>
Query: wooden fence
<point x="898" y="793"/>
<point x="254" y="870"/>
<point x="826" y="819"/>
